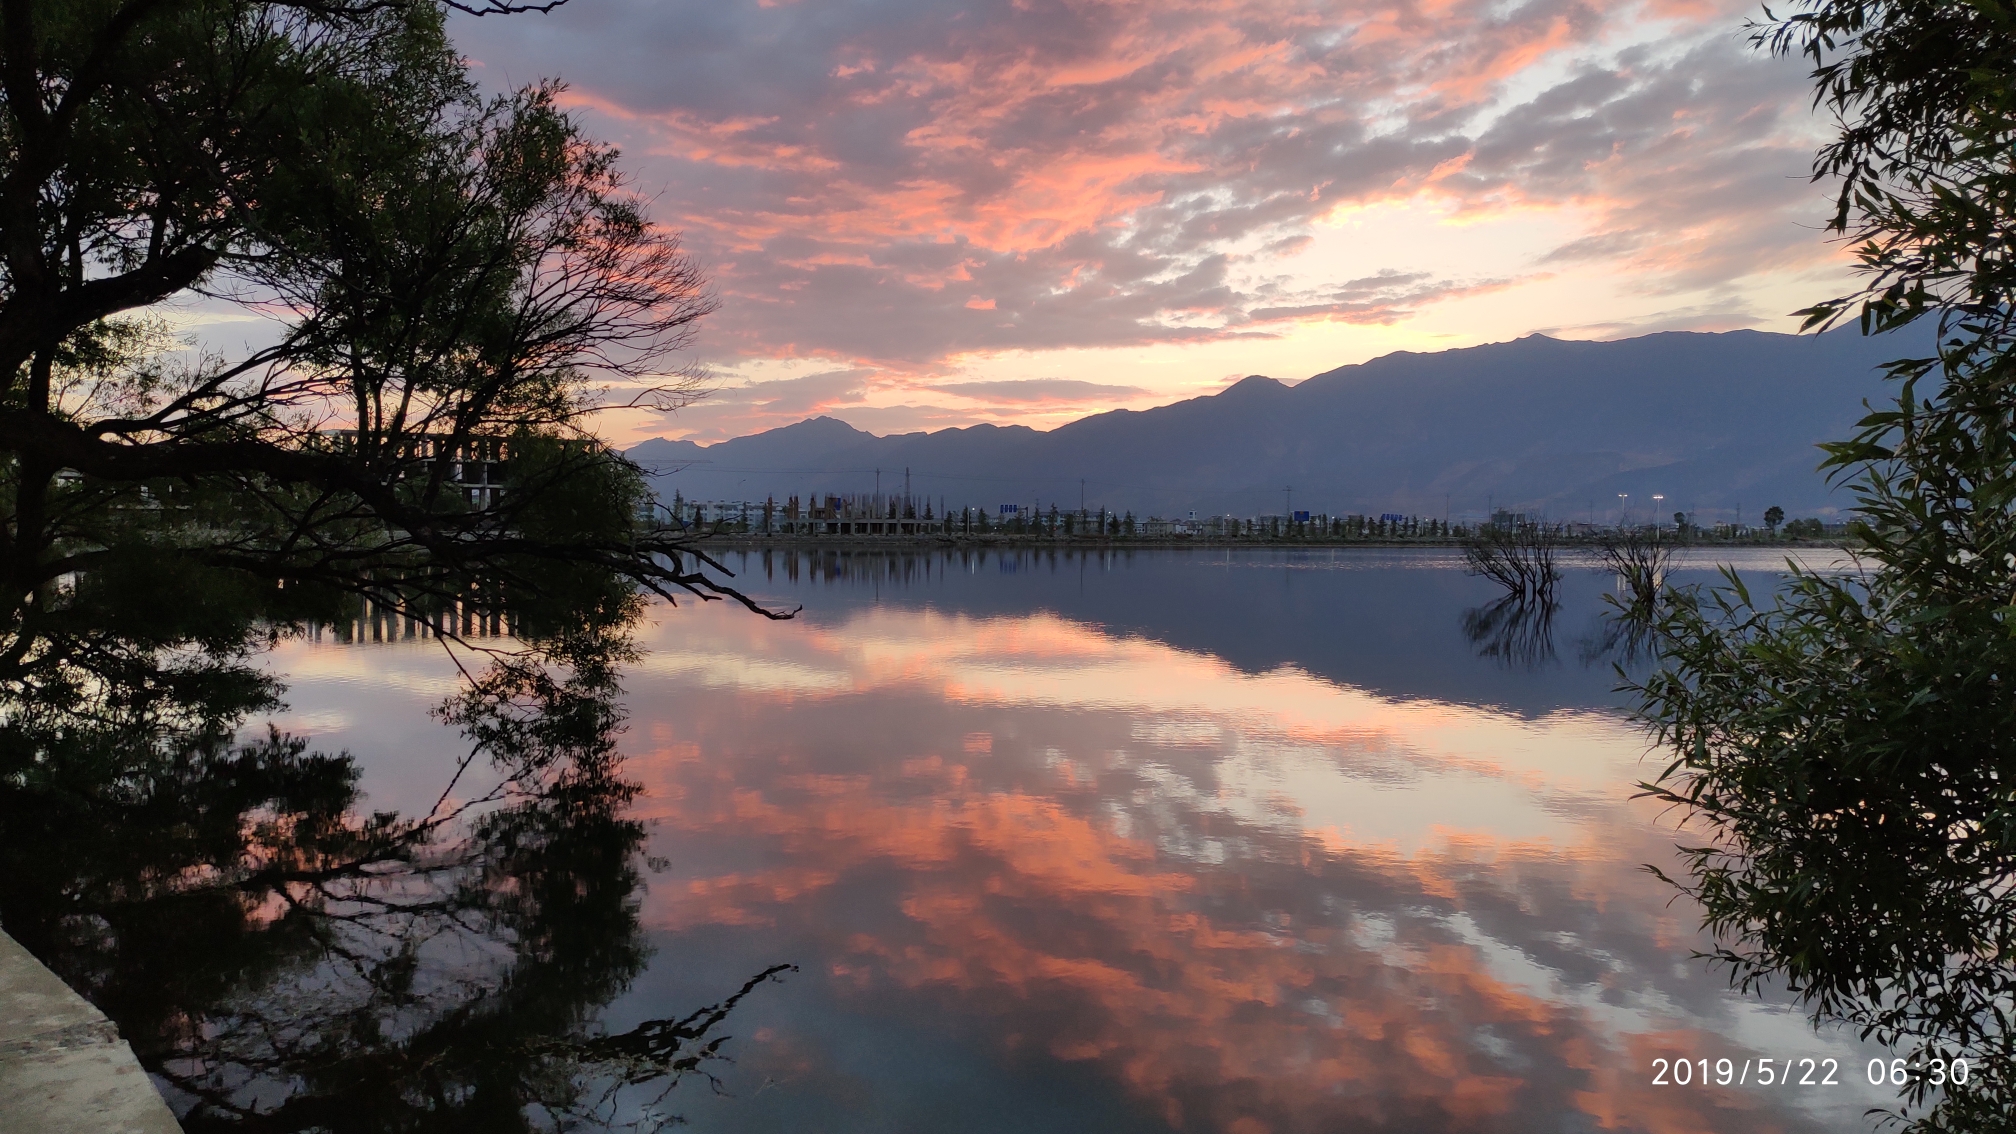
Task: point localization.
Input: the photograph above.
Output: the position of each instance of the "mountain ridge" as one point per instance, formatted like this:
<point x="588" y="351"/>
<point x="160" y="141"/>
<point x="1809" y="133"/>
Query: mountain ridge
<point x="1712" y="420"/>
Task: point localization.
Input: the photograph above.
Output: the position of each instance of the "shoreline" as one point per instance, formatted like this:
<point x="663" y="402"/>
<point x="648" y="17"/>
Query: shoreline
<point x="743" y="542"/>
<point x="64" y="1068"/>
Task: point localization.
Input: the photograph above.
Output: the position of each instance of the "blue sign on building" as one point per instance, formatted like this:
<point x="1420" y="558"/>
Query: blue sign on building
<point x="1301" y="517"/>
<point x="1392" y="517"/>
<point x="1010" y="509"/>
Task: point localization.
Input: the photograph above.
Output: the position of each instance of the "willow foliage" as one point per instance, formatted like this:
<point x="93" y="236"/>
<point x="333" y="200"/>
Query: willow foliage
<point x="1846" y="748"/>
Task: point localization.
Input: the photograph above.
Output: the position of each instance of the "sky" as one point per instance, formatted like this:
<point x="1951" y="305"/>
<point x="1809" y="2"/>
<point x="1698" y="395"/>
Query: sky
<point x="927" y="213"/>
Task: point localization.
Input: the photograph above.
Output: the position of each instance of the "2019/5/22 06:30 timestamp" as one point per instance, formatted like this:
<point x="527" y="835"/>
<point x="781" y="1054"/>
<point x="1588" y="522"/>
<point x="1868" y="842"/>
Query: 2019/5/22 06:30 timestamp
<point x="1803" y="1072"/>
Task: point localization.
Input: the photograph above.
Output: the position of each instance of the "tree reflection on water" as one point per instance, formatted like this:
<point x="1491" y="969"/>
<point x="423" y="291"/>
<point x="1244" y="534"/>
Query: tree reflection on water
<point x="1625" y="635"/>
<point x="1518" y="632"/>
<point x="1515" y="631"/>
<point x="282" y="961"/>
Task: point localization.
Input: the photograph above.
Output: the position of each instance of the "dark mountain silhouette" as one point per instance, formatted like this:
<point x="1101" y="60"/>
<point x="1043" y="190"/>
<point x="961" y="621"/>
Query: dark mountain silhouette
<point x="1712" y="421"/>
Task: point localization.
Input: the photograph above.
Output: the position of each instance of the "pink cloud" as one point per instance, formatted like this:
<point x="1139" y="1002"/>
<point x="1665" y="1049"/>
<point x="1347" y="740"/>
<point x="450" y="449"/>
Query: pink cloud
<point x="898" y="184"/>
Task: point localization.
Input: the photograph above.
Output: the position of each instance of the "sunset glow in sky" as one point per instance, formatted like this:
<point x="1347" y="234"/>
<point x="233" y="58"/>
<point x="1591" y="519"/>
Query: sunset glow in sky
<point x="921" y="213"/>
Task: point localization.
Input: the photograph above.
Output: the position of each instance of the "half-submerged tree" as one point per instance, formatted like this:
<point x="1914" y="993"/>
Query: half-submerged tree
<point x="1518" y="557"/>
<point x="1518" y="629"/>
<point x="1848" y="746"/>
<point x="1640" y="559"/>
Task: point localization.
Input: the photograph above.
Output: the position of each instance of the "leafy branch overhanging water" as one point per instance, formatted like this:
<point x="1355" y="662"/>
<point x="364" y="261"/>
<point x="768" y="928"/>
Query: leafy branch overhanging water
<point x="455" y="285"/>
<point x="1845" y="749"/>
<point x="283" y="960"/>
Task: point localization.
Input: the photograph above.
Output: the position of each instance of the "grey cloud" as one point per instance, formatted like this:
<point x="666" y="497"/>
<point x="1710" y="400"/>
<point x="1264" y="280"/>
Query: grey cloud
<point x="854" y="173"/>
<point x="1699" y="317"/>
<point x="1039" y="390"/>
<point x="1599" y="246"/>
<point x="732" y="411"/>
<point x="1692" y="160"/>
<point x="808" y="394"/>
<point x="1383" y="298"/>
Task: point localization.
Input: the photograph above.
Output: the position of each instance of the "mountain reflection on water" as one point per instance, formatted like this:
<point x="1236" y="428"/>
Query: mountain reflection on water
<point x="1172" y="841"/>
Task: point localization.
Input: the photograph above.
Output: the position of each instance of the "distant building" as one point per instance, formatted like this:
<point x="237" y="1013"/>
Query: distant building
<point x="475" y="465"/>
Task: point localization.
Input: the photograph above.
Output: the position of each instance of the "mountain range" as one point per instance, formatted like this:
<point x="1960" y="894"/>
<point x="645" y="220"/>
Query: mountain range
<point x="1720" y="424"/>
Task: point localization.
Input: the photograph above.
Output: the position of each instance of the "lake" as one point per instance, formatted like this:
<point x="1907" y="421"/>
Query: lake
<point x="1238" y="841"/>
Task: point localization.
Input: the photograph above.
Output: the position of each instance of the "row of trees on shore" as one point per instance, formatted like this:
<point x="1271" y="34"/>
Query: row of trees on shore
<point x="755" y="521"/>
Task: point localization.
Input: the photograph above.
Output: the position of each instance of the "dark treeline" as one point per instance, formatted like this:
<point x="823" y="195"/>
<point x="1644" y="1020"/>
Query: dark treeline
<point x="452" y="277"/>
<point x="758" y="524"/>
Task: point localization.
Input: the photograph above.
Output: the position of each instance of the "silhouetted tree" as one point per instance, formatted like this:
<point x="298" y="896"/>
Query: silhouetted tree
<point x="1640" y="561"/>
<point x="1519" y="559"/>
<point x="453" y="274"/>
<point x="285" y="960"/>
<point x="1847" y="745"/>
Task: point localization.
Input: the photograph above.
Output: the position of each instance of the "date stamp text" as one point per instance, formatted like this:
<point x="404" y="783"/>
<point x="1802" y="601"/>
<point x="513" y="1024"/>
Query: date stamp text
<point x="1805" y="1071"/>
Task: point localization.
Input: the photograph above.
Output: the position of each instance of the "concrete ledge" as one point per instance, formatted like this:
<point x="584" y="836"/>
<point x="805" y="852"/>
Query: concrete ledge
<point x="63" y="1067"/>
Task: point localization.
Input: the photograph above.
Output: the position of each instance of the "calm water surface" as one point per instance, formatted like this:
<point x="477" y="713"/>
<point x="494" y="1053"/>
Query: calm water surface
<point x="1200" y="841"/>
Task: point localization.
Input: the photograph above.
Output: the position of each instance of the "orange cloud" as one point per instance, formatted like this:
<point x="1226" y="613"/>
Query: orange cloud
<point x="917" y="188"/>
<point x="1034" y="823"/>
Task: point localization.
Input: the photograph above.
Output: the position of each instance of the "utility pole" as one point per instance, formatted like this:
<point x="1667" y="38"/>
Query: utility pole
<point x="1288" y="503"/>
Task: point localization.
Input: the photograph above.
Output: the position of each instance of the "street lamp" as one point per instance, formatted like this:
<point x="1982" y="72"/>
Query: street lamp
<point x="1656" y="498"/>
<point x="1621" y="498"/>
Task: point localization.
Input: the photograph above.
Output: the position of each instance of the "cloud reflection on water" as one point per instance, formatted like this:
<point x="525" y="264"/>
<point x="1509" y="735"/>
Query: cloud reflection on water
<point x="1251" y="901"/>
